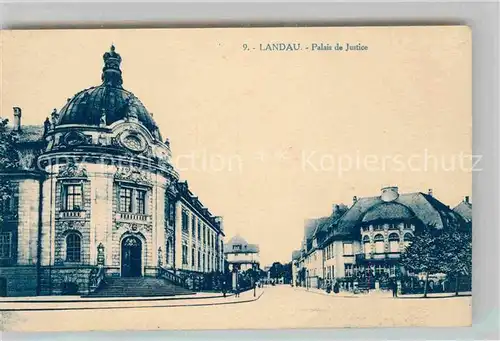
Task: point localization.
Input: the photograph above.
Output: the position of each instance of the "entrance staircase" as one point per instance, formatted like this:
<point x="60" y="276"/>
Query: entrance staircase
<point x="138" y="287"/>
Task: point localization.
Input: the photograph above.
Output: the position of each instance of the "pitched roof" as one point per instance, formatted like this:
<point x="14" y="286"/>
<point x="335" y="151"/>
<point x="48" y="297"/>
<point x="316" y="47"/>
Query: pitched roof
<point x="426" y="208"/>
<point x="387" y="210"/>
<point x="30" y="133"/>
<point x="245" y="246"/>
<point x="322" y="225"/>
<point x="464" y="209"/>
<point x="296" y="254"/>
<point x="310" y="226"/>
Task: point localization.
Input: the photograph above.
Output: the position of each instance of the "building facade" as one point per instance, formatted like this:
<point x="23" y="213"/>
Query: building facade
<point x="96" y="189"/>
<point x="367" y="238"/>
<point x="240" y="255"/>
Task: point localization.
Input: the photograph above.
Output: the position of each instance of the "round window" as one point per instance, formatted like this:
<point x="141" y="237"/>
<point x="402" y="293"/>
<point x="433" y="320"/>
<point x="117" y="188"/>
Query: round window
<point x="134" y="142"/>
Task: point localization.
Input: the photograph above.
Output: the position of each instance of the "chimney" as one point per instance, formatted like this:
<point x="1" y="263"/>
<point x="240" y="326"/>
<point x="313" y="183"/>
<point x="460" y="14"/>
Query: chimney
<point x="220" y="221"/>
<point x="17" y="118"/>
<point x="430" y="192"/>
<point x="466" y="199"/>
<point x="354" y="199"/>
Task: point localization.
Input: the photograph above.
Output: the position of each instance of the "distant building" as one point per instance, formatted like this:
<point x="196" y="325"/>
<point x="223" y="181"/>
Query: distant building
<point x="241" y="255"/>
<point x="465" y="210"/>
<point x="295" y="259"/>
<point x="369" y="236"/>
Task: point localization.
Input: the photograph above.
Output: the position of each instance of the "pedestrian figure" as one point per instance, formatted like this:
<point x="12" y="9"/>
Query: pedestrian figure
<point x="336" y="288"/>
<point x="328" y="287"/>
<point x="237" y="290"/>
<point x="394" y="289"/>
<point x="224" y="288"/>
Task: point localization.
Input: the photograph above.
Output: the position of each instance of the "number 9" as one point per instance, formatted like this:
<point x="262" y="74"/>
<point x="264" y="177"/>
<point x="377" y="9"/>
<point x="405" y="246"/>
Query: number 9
<point x="245" y="47"/>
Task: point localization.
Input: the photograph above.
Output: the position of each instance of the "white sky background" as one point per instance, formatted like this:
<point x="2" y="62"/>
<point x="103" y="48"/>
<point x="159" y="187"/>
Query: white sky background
<point x="262" y="112"/>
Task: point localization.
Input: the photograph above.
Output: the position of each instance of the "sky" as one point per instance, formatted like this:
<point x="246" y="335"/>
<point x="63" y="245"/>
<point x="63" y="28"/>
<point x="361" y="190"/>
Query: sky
<point x="267" y="139"/>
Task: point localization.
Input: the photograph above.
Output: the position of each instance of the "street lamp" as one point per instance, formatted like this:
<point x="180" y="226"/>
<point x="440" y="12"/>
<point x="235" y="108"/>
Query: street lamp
<point x="100" y="254"/>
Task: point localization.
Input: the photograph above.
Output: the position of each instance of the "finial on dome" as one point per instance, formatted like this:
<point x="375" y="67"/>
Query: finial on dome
<point x="111" y="73"/>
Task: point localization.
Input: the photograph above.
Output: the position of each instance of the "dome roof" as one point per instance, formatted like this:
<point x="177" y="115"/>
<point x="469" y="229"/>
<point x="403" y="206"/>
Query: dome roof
<point x="237" y="240"/>
<point x="108" y="102"/>
<point x="388" y="211"/>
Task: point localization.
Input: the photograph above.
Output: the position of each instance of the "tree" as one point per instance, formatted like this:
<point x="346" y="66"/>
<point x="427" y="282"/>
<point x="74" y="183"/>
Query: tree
<point x="423" y="255"/>
<point x="9" y="159"/>
<point x="287" y="272"/>
<point x="276" y="270"/>
<point x="456" y="253"/>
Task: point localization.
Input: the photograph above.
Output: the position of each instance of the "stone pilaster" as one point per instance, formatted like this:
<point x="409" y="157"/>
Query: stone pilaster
<point x="48" y="218"/>
<point x="101" y="216"/>
<point x="159" y="226"/>
<point x="178" y="235"/>
<point x="190" y="240"/>
<point x="153" y="200"/>
<point x="29" y="205"/>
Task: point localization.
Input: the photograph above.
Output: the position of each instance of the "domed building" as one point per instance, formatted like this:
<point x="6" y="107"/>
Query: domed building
<point x="369" y="236"/>
<point x="241" y="255"/>
<point x="96" y="196"/>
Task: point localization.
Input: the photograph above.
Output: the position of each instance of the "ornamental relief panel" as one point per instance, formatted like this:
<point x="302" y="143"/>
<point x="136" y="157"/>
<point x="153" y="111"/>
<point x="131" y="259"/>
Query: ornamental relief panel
<point x="134" y="227"/>
<point x="71" y="225"/>
<point x="72" y="170"/>
<point x="133" y="175"/>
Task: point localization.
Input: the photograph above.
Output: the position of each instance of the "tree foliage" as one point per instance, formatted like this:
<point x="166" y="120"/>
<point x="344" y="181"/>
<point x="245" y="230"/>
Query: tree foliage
<point x="446" y="251"/>
<point x="423" y="255"/>
<point x="456" y="251"/>
<point x="279" y="270"/>
<point x="9" y="160"/>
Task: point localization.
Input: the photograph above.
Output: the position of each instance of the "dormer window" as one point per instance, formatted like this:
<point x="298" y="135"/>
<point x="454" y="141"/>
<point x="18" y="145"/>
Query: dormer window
<point x="237" y="247"/>
<point x="185" y="221"/>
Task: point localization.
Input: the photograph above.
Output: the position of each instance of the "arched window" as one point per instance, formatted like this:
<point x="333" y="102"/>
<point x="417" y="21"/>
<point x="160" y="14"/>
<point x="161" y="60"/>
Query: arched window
<point x="393" y="242"/>
<point x="73" y="248"/>
<point x="379" y="243"/>
<point x="366" y="245"/>
<point x="407" y="238"/>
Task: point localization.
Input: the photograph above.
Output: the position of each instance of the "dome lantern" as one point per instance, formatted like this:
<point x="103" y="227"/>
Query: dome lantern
<point x="103" y="105"/>
<point x="111" y="73"/>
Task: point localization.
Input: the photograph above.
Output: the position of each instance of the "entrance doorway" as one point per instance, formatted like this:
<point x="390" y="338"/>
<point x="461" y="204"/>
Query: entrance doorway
<point x="131" y="257"/>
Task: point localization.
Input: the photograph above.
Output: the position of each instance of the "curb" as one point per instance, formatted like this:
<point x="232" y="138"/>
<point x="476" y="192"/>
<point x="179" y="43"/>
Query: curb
<point x="135" y="307"/>
<point x="329" y="295"/>
<point x="117" y="299"/>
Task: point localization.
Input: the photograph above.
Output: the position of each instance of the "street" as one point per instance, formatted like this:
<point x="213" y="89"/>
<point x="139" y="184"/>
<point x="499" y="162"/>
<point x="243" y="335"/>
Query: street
<point x="278" y="307"/>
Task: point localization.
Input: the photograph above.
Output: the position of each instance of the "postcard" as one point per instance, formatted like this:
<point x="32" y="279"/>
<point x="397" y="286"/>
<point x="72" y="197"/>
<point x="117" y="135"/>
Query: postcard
<point x="236" y="178"/>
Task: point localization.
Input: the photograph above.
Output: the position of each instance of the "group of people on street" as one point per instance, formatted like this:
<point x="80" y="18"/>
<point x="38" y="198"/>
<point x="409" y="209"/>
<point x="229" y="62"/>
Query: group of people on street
<point x="336" y="287"/>
<point x="237" y="289"/>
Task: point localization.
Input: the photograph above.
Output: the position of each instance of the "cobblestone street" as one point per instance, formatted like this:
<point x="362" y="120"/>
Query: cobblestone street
<point x="278" y="307"/>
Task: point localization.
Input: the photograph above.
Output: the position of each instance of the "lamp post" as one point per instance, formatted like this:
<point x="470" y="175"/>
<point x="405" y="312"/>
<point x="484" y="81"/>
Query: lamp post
<point x="100" y="254"/>
<point x="160" y="256"/>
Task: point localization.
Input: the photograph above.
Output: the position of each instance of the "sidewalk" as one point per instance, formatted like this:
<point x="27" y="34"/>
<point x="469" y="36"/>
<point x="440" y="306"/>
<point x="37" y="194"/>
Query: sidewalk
<point x="437" y="295"/>
<point x="331" y="294"/>
<point x="67" y="298"/>
<point x="78" y="303"/>
<point x="382" y="294"/>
